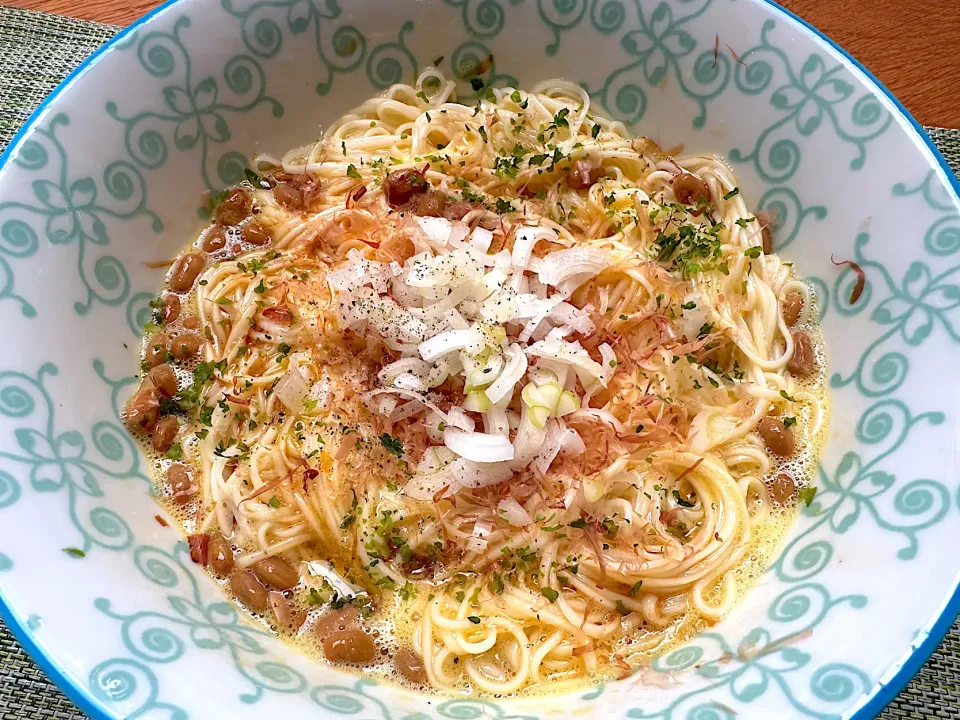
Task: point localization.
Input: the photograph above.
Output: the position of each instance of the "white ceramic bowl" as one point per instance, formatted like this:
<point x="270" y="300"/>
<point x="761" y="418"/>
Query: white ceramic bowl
<point x="109" y="173"/>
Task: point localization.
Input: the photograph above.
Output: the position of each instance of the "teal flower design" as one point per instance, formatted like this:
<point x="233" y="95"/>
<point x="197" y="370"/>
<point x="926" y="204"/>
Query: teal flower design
<point x="811" y="97"/>
<point x="214" y="626"/>
<point x="340" y="47"/>
<point x="856" y="489"/>
<point x="57" y="463"/>
<point x="482" y="18"/>
<point x="209" y="625"/>
<point x="759" y="660"/>
<point x="943" y="236"/>
<point x="860" y="487"/>
<point x="132" y="688"/>
<point x="196" y="111"/>
<point x="194" y="114"/>
<point x="72" y="211"/>
<point x="808" y="97"/>
<point x="658" y="43"/>
<point x="913" y="308"/>
<point x="922" y="301"/>
<point x="762" y="662"/>
<point x="76" y="212"/>
<point x="759" y="665"/>
<point x="662" y="48"/>
<point x="60" y="462"/>
<point x="392" y="62"/>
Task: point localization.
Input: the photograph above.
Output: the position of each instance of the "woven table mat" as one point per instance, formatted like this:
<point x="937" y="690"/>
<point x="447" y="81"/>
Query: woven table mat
<point x="36" y="52"/>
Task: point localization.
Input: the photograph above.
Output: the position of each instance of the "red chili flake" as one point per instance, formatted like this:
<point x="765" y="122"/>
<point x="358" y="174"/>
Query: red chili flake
<point x="160" y="520"/>
<point x="861" y="278"/>
<point x="716" y="50"/>
<point x="361" y="191"/>
<point x="735" y="56"/>
<point x="199" y="548"/>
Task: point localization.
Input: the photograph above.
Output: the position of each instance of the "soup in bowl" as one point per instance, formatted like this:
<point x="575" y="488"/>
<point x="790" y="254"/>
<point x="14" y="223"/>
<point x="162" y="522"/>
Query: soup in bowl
<point x="477" y="359"/>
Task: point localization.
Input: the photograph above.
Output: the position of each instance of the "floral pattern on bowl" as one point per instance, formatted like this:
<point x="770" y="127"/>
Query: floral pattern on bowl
<point x="110" y="174"/>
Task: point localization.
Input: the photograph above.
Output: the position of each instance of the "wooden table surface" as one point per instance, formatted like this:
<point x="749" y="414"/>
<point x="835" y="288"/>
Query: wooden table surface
<point x="912" y="46"/>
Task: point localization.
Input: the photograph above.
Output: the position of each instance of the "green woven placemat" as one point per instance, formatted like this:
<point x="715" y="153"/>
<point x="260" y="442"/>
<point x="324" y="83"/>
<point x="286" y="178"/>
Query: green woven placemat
<point x="36" y="52"/>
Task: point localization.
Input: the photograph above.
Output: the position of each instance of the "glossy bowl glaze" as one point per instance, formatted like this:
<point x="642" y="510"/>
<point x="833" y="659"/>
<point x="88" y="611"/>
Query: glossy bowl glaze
<point x="109" y="173"/>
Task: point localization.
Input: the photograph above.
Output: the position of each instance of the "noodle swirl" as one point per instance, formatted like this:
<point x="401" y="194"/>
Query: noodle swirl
<point x="317" y="423"/>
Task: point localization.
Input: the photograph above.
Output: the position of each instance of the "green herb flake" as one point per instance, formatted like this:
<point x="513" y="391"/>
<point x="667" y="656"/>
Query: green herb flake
<point x="622" y="609"/>
<point x="595" y="131"/>
<point x="788" y="421"/>
<point x="732" y="194"/>
<point x="786" y="396"/>
<point x="408" y="591"/>
<point x="175" y="452"/>
<point x="353" y="172"/>
<point x="754" y="252"/>
<point x="255" y="179"/>
<point x="74" y="552"/>
<point x="636" y="587"/>
<point x="681" y="501"/>
<point x="274" y="502"/>
<point x="550" y="594"/>
<point x="806" y="495"/>
<point x="474" y="619"/>
<point x="392" y="444"/>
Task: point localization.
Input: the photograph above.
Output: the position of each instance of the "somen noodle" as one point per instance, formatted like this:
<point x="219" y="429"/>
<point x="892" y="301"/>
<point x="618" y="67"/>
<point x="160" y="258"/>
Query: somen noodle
<point x="493" y="395"/>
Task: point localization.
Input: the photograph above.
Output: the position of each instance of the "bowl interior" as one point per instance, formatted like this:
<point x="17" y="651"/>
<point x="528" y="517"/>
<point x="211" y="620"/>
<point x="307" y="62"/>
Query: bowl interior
<point x="110" y="176"/>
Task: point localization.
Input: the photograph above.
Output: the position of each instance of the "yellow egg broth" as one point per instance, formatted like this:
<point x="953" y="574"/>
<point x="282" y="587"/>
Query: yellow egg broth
<point x="323" y="483"/>
<point x="390" y="616"/>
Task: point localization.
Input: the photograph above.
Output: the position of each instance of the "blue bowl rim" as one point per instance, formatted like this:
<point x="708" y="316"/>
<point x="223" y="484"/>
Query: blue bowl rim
<point x="882" y="692"/>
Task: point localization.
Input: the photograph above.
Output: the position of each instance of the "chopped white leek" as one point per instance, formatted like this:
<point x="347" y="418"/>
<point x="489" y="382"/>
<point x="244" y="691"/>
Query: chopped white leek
<point x="513" y="512"/>
<point x="291" y="389"/>
<point x="577" y="261"/>
<point x="478" y="447"/>
<point x="513" y="371"/>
